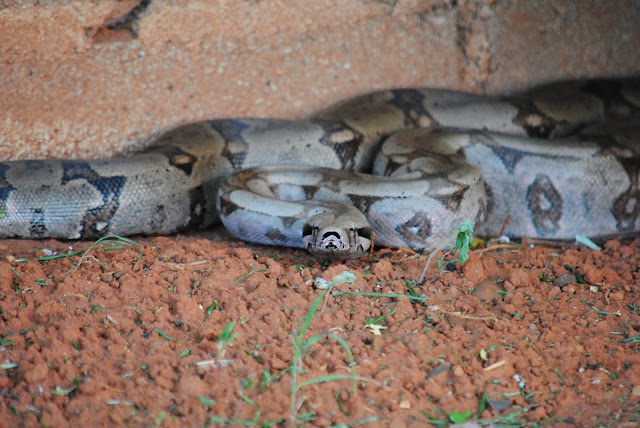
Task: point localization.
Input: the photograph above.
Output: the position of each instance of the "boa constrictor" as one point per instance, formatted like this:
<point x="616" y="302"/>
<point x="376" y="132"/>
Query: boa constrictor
<point x="558" y="161"/>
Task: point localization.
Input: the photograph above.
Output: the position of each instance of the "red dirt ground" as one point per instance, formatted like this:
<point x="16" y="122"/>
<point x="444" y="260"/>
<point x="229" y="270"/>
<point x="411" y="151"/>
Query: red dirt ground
<point x="114" y="339"/>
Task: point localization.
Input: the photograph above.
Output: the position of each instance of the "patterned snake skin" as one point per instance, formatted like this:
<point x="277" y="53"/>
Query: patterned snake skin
<point x="557" y="161"/>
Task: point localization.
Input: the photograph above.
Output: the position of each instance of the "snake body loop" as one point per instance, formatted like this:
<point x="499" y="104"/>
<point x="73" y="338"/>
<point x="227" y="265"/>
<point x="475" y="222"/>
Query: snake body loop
<point x="558" y="161"/>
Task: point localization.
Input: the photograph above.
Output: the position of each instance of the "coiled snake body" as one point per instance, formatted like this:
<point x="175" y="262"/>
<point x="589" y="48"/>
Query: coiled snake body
<point x="558" y="161"/>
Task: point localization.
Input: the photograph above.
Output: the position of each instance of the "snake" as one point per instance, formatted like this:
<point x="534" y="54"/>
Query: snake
<point x="398" y="168"/>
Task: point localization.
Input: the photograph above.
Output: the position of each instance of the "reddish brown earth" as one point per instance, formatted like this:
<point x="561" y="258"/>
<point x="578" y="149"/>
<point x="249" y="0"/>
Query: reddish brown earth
<point x="113" y="339"/>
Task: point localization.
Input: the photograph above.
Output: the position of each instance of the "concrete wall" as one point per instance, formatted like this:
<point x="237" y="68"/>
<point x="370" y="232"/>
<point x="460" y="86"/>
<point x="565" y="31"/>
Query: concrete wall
<point x="92" y="79"/>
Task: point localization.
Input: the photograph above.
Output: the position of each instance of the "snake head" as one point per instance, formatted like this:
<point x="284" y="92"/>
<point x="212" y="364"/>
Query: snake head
<point x="329" y="236"/>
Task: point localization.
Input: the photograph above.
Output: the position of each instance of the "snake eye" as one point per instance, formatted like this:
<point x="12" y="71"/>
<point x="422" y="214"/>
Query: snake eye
<point x="365" y="232"/>
<point x="307" y="230"/>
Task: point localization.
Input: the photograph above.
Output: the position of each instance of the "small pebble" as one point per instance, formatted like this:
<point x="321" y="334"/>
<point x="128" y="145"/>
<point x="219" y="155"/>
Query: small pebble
<point x="563" y="280"/>
<point x="499" y="405"/>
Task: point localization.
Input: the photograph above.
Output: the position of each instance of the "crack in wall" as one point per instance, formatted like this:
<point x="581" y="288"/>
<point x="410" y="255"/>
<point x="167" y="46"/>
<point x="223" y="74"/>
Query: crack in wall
<point x="121" y="28"/>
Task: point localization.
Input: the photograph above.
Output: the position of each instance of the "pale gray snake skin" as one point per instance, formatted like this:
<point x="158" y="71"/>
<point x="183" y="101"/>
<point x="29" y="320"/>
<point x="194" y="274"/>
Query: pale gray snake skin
<point x="558" y="161"/>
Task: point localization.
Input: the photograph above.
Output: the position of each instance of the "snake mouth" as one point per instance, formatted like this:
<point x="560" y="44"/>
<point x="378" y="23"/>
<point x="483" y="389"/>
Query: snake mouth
<point x="337" y="243"/>
<point x="333" y="244"/>
<point x="332" y="240"/>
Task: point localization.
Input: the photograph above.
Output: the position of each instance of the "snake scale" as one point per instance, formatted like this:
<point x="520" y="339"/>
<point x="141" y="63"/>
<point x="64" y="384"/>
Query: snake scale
<point x="559" y="160"/>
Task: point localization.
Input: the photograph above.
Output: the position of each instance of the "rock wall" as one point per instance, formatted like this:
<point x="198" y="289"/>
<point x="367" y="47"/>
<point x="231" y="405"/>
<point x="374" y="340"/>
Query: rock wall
<point x="93" y="79"/>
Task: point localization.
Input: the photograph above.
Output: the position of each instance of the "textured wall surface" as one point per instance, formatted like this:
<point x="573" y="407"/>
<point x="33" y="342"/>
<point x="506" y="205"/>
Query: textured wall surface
<point x="92" y="79"/>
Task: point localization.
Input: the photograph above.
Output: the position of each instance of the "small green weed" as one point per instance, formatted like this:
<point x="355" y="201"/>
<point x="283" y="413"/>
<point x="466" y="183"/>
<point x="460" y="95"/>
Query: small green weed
<point x="463" y="242"/>
<point x="225" y="338"/>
